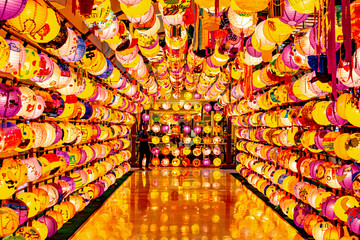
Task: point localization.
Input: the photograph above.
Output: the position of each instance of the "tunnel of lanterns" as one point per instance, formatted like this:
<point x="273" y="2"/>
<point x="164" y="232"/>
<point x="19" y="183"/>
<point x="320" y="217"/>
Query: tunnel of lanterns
<point x="269" y="88"/>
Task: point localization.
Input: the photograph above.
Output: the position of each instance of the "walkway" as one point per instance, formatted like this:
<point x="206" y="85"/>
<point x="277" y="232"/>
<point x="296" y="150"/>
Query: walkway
<point x="184" y="204"/>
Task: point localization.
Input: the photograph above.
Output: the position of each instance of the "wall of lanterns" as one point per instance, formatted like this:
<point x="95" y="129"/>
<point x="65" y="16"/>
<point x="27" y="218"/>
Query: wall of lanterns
<point x="66" y="115"/>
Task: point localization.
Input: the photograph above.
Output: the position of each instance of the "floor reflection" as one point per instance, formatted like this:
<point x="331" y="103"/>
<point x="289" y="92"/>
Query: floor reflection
<point x="181" y="204"/>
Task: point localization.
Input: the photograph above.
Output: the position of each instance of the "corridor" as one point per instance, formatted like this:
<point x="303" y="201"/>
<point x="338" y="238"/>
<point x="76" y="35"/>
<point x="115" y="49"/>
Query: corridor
<point x="181" y="204"/>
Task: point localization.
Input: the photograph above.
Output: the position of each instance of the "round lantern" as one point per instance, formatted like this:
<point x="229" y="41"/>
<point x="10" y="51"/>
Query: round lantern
<point x="343" y="204"/>
<point x="197" y="129"/>
<point x="304" y="6"/>
<point x="155" y="128"/>
<point x="31" y="200"/>
<point x="165" y="128"/>
<point x="50" y="223"/>
<point x="197" y="118"/>
<point x="155" y="140"/>
<point x="207" y="107"/>
<point x="31" y="66"/>
<point x="320" y="228"/>
<point x="155" y="151"/>
<point x="9" y="221"/>
<point x="28" y="101"/>
<point x="10" y="101"/>
<point x="19" y="207"/>
<point x="186" y="129"/>
<point x="187" y="106"/>
<point x="145" y="117"/>
<point x="34" y="168"/>
<point x="31" y="19"/>
<point x="217" y="117"/>
<point x="165" y="139"/>
<point x="28" y="233"/>
<point x="352" y="147"/>
<point x="17" y="56"/>
<point x="50" y="30"/>
<point x="11" y="9"/>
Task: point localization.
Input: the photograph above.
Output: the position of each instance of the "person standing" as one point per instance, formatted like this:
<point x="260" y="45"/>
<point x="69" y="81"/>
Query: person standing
<point x="144" y="147"/>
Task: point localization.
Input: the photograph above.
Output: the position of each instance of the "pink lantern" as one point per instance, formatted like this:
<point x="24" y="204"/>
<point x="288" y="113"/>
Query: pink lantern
<point x="328" y="207"/>
<point x="197" y="129"/>
<point x="11" y="9"/>
<point x="34" y="168"/>
<point x="197" y="95"/>
<point x="292" y="17"/>
<point x="353" y="220"/>
<point x="165" y="128"/>
<point x="287" y="59"/>
<point x="207" y="107"/>
<point x="46" y="69"/>
<point x="145" y="117"/>
<point x="39" y="109"/>
<point x="176" y="117"/>
<point x="186" y="129"/>
<point x="206" y="161"/>
<point x="155" y="151"/>
<point x="251" y="50"/>
<point x="333" y="116"/>
<point x="345" y="175"/>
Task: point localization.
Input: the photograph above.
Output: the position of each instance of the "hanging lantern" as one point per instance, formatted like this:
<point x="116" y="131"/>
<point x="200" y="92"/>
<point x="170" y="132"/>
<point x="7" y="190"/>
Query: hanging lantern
<point x="304" y="6"/>
<point x="292" y="17"/>
<point x="31" y="19"/>
<point x="10" y="101"/>
<point x="28" y="101"/>
<point x="50" y="30"/>
<point x="31" y="66"/>
<point x="17" y="56"/>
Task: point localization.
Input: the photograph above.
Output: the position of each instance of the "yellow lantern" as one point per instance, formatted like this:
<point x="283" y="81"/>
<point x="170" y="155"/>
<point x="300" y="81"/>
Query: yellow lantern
<point x="4" y="53"/>
<point x="319" y="113"/>
<point x="31" y="66"/>
<point x="41" y="228"/>
<point x="248" y="6"/>
<point x="31" y="19"/>
<point x="9" y="221"/>
<point x="217" y="117"/>
<point x="304" y="6"/>
<point x="50" y="30"/>
<point x="155" y="140"/>
<point x="165" y="139"/>
<point x="197" y="107"/>
<point x="276" y="31"/>
<point x="31" y="201"/>
<point x="136" y="10"/>
<point x="187" y="95"/>
<point x="197" y="140"/>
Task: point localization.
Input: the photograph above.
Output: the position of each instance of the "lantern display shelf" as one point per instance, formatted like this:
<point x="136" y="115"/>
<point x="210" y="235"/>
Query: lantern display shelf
<point x="296" y="149"/>
<point x="336" y="222"/>
<point x="53" y="180"/>
<point x="182" y="143"/>
<point x="70" y="64"/>
<point x="84" y="36"/>
<point x="298" y="175"/>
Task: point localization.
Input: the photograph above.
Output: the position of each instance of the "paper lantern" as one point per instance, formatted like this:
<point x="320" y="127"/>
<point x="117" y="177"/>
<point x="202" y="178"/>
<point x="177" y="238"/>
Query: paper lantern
<point x="155" y="128"/>
<point x="34" y="168"/>
<point x="31" y="66"/>
<point x="31" y="200"/>
<point x="31" y="19"/>
<point x="50" y="223"/>
<point x="155" y="140"/>
<point x="333" y="116"/>
<point x="57" y="216"/>
<point x="145" y="117"/>
<point x="52" y="193"/>
<point x="343" y="204"/>
<point x="17" y="56"/>
<point x="345" y="174"/>
<point x="304" y="6"/>
<point x="197" y="129"/>
<point x="155" y="151"/>
<point x="10" y="136"/>
<point x="276" y="31"/>
<point x="217" y="117"/>
<point x="41" y="228"/>
<point x="302" y="42"/>
<point x="353" y="220"/>
<point x="320" y="228"/>
<point x="241" y="5"/>
<point x="10" y="101"/>
<point x="78" y="53"/>
<point x="165" y="128"/>
<point x="11" y="9"/>
<point x="19" y="207"/>
<point x="28" y="233"/>
<point x="9" y="221"/>
<point x="292" y="17"/>
<point x="207" y="107"/>
<point x="50" y="30"/>
<point x="28" y="101"/>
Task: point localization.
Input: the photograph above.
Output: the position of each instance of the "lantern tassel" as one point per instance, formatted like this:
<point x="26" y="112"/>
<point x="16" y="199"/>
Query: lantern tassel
<point x="346" y="28"/>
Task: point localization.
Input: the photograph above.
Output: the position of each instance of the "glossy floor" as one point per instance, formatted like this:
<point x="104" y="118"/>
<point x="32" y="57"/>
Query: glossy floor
<point x="179" y="204"/>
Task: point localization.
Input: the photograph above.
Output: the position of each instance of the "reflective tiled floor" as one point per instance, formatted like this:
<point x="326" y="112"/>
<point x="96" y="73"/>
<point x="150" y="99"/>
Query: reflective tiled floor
<point x="184" y="204"/>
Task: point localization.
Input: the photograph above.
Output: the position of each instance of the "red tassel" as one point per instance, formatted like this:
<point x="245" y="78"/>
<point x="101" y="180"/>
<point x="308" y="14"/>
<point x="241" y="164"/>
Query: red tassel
<point x="216" y="8"/>
<point x="332" y="50"/>
<point x="346" y="28"/>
